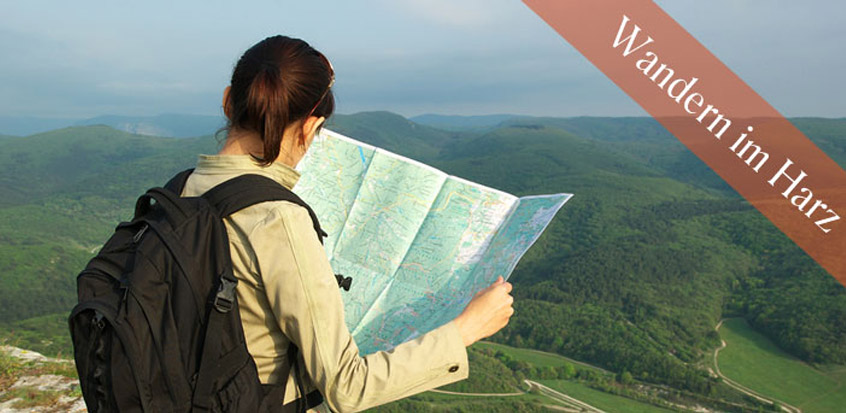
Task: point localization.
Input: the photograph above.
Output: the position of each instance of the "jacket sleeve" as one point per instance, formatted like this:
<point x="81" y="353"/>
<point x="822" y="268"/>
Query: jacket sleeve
<point x="306" y="301"/>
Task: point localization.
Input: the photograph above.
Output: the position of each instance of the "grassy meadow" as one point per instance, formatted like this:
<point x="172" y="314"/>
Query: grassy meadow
<point x="754" y="361"/>
<point x="600" y="399"/>
<point x="535" y="357"/>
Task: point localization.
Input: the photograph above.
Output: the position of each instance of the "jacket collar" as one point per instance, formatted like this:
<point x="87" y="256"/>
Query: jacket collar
<point x="240" y="164"/>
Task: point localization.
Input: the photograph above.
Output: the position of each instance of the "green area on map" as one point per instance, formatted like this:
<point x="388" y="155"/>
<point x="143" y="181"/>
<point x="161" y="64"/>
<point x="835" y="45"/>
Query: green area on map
<point x="417" y="242"/>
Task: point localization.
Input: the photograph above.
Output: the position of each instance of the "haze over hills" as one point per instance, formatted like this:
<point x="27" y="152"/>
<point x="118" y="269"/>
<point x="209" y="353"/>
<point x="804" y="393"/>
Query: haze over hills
<point x="633" y="274"/>
<point x="28" y="125"/>
<point x="185" y="125"/>
<point x="463" y="123"/>
<point x="167" y="125"/>
<point x="164" y="125"/>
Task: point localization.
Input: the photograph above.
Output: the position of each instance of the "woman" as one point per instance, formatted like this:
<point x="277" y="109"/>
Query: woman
<point x="279" y="97"/>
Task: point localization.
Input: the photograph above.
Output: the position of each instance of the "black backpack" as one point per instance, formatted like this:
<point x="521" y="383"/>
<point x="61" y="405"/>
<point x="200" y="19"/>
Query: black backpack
<point x="157" y="327"/>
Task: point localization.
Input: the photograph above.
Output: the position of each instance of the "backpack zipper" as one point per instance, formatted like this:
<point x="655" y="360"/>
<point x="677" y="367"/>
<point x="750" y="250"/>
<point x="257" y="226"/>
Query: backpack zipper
<point x="98" y="320"/>
<point x="124" y="287"/>
<point x="139" y="234"/>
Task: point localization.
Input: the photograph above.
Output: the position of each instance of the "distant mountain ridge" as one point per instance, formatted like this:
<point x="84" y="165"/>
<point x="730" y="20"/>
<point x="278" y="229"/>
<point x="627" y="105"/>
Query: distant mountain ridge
<point x="166" y="125"/>
<point x="28" y="125"/>
<point x="463" y="123"/>
<point x="172" y="125"/>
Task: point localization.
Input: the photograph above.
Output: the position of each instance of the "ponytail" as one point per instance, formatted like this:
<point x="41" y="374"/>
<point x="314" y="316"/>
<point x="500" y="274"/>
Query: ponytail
<point x="277" y="82"/>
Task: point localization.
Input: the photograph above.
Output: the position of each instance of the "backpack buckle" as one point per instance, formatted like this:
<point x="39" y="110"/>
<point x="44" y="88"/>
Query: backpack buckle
<point x="225" y="297"/>
<point x="343" y="282"/>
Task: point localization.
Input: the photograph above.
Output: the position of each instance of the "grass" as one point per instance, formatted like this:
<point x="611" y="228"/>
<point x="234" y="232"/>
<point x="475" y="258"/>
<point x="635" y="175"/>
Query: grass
<point x="30" y="397"/>
<point x="538" y="358"/>
<point x="438" y="402"/>
<point x="12" y="369"/>
<point x="755" y="362"/>
<point x="47" y="334"/>
<point x="599" y="399"/>
<point x="528" y="397"/>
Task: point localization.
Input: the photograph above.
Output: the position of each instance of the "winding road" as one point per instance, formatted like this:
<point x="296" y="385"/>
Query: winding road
<point x="477" y="394"/>
<point x="562" y="398"/>
<point x="568" y="404"/>
<point x="743" y="389"/>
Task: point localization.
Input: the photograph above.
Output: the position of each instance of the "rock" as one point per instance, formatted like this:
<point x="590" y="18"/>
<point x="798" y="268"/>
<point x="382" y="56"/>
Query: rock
<point x="29" y="355"/>
<point x="31" y="362"/>
<point x="47" y="382"/>
<point x="76" y="405"/>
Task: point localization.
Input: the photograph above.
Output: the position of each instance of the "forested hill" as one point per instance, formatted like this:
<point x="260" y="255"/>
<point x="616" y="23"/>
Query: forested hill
<point x="632" y="275"/>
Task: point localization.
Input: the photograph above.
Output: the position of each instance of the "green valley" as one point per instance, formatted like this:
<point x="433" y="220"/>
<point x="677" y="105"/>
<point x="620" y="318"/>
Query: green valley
<point x="631" y="277"/>
<point x="755" y="362"/>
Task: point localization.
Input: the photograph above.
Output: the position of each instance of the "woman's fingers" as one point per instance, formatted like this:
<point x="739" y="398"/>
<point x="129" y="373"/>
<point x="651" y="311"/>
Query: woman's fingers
<point x="488" y="312"/>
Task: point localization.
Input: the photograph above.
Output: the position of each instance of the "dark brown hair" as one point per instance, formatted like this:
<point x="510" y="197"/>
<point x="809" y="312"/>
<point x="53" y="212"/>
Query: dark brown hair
<point x="276" y="83"/>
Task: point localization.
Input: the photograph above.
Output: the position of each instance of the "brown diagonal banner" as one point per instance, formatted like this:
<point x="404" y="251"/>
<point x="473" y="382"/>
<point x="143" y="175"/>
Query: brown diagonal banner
<point x="715" y="114"/>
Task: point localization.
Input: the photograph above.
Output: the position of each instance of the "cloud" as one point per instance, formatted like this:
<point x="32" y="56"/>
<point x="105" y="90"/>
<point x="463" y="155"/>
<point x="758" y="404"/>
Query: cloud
<point x="466" y="56"/>
<point x="467" y="14"/>
<point x="147" y="87"/>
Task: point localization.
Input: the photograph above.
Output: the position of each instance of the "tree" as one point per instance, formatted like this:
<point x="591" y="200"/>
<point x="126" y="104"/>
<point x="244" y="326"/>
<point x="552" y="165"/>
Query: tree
<point x="626" y="378"/>
<point x="566" y="371"/>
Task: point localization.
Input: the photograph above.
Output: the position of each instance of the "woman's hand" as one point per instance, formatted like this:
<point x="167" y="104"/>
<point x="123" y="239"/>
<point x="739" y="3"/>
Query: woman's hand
<point x="487" y="313"/>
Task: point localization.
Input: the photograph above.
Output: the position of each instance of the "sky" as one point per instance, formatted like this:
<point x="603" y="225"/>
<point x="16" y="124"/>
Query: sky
<point x="87" y="58"/>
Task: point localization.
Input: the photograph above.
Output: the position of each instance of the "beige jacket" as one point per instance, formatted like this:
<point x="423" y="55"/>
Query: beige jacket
<point x="287" y="290"/>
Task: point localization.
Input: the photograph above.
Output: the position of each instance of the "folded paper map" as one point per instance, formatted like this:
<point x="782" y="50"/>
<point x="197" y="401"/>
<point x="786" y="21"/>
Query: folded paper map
<point x="417" y="242"/>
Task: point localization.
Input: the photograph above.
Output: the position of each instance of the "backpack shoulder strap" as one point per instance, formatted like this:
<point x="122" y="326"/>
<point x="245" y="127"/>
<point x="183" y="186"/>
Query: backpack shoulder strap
<point x="239" y="193"/>
<point x="177" y="183"/>
<point x="246" y="190"/>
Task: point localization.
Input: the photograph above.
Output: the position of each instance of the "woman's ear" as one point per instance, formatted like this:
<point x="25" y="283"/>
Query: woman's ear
<point x="310" y="128"/>
<point x="225" y="102"/>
